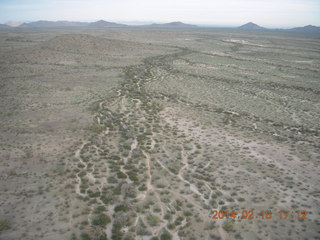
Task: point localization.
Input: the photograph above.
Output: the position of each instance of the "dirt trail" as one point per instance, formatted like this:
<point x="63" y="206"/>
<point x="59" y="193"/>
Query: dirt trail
<point x="78" y="157"/>
<point x="149" y="185"/>
<point x="133" y="146"/>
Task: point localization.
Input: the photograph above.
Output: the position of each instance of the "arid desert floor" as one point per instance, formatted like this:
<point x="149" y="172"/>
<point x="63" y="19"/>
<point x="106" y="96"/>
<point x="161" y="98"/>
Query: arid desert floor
<point x="149" y="133"/>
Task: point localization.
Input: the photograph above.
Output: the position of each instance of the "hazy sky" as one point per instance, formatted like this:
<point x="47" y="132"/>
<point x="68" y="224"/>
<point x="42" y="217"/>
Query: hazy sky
<point x="268" y="13"/>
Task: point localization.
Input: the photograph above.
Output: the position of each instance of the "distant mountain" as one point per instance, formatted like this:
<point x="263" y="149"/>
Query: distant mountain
<point x="103" y="23"/>
<point x="308" y="28"/>
<point x="4" y="26"/>
<point x="251" y="26"/>
<point x="53" y="24"/>
<point x="173" y="25"/>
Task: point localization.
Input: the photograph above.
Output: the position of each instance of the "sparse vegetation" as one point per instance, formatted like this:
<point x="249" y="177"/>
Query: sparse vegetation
<point x="144" y="138"/>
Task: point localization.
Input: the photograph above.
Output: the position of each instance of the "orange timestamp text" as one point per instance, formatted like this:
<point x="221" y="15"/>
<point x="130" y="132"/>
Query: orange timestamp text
<point x="265" y="214"/>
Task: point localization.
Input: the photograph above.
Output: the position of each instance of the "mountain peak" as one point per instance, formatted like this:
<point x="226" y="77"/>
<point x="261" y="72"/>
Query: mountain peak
<point x="176" y="23"/>
<point x="251" y="26"/>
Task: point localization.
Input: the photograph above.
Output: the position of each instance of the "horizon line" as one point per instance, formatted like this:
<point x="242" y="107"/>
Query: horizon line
<point x="150" y="22"/>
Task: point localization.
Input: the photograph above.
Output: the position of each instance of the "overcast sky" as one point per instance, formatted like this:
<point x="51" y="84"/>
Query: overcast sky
<point x="268" y="13"/>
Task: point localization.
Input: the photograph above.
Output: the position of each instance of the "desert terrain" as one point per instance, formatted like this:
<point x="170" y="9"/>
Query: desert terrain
<point x="143" y="133"/>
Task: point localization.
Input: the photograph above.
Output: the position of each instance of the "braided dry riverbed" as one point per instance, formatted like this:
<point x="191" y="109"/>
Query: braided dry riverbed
<point x="150" y="172"/>
<point x="120" y="171"/>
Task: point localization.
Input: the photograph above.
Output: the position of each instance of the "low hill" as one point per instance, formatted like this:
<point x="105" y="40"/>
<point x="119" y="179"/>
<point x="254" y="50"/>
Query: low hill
<point x="4" y="26"/>
<point x="251" y="26"/>
<point x="53" y="24"/>
<point x="308" y="28"/>
<point x="103" y="23"/>
<point x="173" y="25"/>
<point x="83" y="43"/>
<point x="82" y="49"/>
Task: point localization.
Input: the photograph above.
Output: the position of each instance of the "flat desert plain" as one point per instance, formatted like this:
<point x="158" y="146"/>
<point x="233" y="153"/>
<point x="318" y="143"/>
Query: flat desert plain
<point x="141" y="133"/>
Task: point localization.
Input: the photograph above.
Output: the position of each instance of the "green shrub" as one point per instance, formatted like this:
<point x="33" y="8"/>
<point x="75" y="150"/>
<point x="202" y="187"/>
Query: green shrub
<point x="97" y="128"/>
<point x="165" y="236"/>
<point x="133" y="176"/>
<point x="228" y="226"/>
<point x="116" y="232"/>
<point x="4" y="224"/>
<point x="99" y="209"/>
<point x="143" y="187"/>
<point x="85" y="236"/>
<point x="121" y="208"/>
<point x="93" y="194"/>
<point x="153" y="220"/>
<point x="187" y="213"/>
<point x="101" y="220"/>
<point x="115" y="157"/>
<point x="121" y="175"/>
